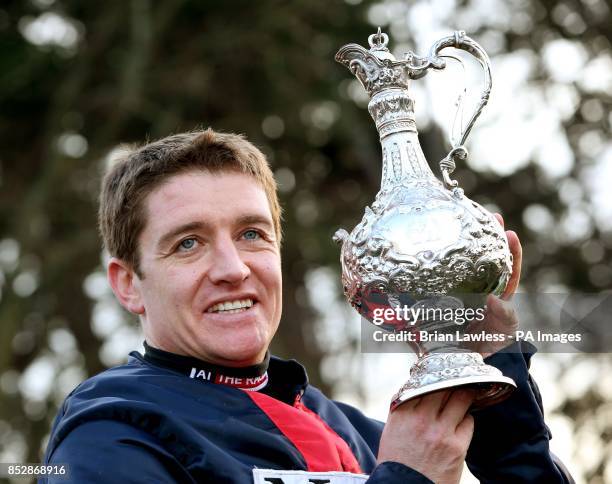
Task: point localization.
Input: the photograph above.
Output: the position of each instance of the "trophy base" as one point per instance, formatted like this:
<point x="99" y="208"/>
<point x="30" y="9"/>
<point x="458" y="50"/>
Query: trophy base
<point x="442" y="371"/>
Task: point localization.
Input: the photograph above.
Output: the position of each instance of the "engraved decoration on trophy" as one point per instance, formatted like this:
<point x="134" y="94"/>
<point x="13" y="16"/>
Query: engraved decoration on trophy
<point x="422" y="242"/>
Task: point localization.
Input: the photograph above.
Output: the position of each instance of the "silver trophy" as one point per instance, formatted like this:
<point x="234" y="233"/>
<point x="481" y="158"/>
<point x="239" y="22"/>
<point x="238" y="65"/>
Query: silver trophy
<point x="423" y="244"/>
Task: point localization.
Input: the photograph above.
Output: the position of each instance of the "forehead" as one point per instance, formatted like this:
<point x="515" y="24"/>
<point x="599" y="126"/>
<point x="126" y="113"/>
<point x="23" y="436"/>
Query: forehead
<point x="199" y="195"/>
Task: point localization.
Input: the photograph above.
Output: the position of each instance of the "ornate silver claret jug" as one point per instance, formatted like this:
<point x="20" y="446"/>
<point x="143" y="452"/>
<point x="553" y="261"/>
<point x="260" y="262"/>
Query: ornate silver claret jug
<point x="423" y="244"/>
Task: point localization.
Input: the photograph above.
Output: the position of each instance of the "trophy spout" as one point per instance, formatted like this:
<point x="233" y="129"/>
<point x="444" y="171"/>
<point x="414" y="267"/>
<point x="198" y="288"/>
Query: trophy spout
<point x="340" y="236"/>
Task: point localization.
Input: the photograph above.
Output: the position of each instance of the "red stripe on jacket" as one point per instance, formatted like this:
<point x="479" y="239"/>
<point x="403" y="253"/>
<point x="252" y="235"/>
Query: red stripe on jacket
<point x="322" y="448"/>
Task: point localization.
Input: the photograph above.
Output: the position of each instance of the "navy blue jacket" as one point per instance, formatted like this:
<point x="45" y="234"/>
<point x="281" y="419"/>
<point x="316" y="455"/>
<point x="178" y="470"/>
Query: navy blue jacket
<point x="145" y="423"/>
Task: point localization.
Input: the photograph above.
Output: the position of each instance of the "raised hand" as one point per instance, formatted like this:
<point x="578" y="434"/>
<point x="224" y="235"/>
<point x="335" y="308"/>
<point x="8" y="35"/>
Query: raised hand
<point x="430" y="434"/>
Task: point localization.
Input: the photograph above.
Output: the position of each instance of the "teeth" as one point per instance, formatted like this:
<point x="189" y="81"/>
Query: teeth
<point x="231" y="307"/>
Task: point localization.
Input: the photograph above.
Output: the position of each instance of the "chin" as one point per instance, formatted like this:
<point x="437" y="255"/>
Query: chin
<point x="242" y="359"/>
<point x="247" y="354"/>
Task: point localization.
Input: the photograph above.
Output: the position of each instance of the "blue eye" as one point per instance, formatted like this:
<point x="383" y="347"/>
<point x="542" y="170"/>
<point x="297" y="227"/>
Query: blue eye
<point x="251" y="235"/>
<point x="187" y="244"/>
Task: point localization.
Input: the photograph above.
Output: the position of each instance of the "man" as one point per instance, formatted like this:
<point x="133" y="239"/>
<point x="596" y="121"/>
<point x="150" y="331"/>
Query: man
<point x="192" y="224"/>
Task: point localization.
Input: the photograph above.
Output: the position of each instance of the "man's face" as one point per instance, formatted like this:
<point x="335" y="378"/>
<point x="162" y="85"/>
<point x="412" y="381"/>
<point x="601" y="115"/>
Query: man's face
<point x="211" y="271"/>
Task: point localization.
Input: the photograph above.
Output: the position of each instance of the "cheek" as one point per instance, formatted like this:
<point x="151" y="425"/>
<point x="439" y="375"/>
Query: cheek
<point x="271" y="278"/>
<point x="272" y="274"/>
<point x="177" y="283"/>
<point x="262" y="261"/>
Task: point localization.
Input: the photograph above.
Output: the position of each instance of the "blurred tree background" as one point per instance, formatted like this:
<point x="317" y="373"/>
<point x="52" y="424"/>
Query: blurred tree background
<point x="77" y="79"/>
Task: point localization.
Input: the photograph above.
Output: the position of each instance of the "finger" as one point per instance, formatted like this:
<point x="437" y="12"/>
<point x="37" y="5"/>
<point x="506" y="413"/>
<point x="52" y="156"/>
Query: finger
<point x="501" y="315"/>
<point x="409" y="405"/>
<point x="433" y="402"/>
<point x="517" y="259"/>
<point x="497" y="308"/>
<point x="465" y="429"/>
<point x="457" y="406"/>
<point x="446" y="399"/>
<point x="499" y="218"/>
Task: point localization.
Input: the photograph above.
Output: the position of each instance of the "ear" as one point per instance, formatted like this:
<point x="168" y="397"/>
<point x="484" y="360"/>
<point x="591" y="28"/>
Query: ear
<point x="126" y="285"/>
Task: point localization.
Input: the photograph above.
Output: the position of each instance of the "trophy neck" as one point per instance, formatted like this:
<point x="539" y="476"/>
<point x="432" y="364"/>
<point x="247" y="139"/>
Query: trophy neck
<point x="403" y="158"/>
<point x="392" y="110"/>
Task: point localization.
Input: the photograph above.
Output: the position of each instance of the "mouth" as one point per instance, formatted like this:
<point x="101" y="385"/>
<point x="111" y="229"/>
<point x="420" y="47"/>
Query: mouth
<point x="231" y="306"/>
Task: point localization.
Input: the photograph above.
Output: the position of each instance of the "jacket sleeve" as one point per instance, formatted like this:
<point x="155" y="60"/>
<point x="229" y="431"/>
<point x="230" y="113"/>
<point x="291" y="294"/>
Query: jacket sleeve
<point x="396" y="473"/>
<point x="107" y="451"/>
<point x="510" y="442"/>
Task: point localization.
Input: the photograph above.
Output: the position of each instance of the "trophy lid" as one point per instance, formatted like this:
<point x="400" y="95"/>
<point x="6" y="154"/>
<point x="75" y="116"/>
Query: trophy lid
<point x="378" y="45"/>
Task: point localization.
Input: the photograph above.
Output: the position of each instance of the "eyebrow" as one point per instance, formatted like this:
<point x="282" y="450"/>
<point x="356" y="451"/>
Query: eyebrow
<point x="203" y="226"/>
<point x="254" y="219"/>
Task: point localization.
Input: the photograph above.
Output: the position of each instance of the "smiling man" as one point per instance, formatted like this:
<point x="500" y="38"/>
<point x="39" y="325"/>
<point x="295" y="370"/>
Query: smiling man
<point x="209" y="274"/>
<point x="192" y="225"/>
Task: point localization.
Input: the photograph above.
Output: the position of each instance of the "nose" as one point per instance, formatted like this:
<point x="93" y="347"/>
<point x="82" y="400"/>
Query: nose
<point x="227" y="264"/>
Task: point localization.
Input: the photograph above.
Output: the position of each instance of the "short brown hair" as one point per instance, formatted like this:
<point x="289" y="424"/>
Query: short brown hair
<point x="121" y="215"/>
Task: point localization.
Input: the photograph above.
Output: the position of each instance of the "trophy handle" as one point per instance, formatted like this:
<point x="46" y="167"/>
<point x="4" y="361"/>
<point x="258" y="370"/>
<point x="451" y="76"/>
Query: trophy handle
<point x="418" y="67"/>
